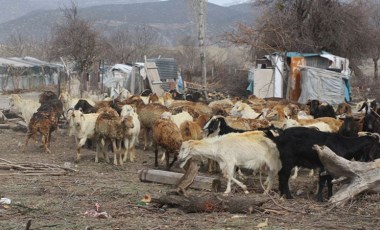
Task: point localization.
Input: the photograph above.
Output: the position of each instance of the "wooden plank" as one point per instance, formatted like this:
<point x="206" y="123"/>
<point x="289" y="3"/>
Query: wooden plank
<point x="153" y="76"/>
<point x="172" y="178"/>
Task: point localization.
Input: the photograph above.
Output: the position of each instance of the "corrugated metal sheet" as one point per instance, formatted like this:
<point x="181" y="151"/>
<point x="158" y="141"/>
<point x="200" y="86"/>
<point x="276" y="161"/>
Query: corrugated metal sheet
<point x="317" y="62"/>
<point x="167" y="68"/>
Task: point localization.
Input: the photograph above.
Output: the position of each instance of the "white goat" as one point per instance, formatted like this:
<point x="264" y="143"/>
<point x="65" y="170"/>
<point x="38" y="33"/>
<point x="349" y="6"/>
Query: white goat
<point x="246" y="150"/>
<point x="243" y="110"/>
<point x="25" y="106"/>
<point x="82" y="127"/>
<point x="132" y="135"/>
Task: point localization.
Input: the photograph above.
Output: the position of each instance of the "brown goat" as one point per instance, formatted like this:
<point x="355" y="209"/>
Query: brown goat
<point x="167" y="135"/>
<point x="148" y="115"/>
<point x="109" y="127"/>
<point x="45" y="123"/>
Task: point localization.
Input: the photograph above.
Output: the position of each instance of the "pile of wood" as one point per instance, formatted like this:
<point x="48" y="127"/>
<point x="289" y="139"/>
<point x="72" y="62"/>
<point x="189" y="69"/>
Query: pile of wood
<point x="33" y="168"/>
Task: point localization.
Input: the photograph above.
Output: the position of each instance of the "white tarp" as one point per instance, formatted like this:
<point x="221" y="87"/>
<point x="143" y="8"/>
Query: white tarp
<point x="323" y="85"/>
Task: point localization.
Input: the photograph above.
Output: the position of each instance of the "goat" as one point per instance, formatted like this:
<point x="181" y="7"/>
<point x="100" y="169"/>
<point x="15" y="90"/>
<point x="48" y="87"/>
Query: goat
<point x="132" y="135"/>
<point x="26" y="107"/>
<point x="148" y="115"/>
<point x="243" y="110"/>
<point x="317" y="109"/>
<point x="295" y="146"/>
<point x="85" y="106"/>
<point x="82" y="127"/>
<point x="43" y="122"/>
<point x="110" y="127"/>
<point x="249" y="150"/>
<point x="219" y="125"/>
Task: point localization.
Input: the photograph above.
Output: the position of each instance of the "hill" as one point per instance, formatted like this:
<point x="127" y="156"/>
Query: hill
<point x="171" y="19"/>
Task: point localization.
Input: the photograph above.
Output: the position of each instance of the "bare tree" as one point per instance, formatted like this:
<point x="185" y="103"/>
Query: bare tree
<point x="374" y="45"/>
<point x="75" y="40"/>
<point x="189" y="53"/>
<point x="340" y="27"/>
<point x="144" y="42"/>
<point x="121" y="46"/>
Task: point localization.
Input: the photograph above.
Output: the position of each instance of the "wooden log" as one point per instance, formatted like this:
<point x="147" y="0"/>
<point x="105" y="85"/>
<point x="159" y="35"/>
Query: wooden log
<point x="5" y="126"/>
<point x="213" y="203"/>
<point x="361" y="176"/>
<point x="187" y="179"/>
<point x="172" y="178"/>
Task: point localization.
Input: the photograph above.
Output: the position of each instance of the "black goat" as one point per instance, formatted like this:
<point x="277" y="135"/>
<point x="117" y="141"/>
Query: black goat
<point x="319" y="110"/>
<point x="295" y="147"/>
<point x="194" y="96"/>
<point x="85" y="106"/>
<point x="217" y="126"/>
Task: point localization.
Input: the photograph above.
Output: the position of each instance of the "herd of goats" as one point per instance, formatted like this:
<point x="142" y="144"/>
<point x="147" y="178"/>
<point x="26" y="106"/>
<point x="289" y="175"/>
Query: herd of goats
<point x="272" y="134"/>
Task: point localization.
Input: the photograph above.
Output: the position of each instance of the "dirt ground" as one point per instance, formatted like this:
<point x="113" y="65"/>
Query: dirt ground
<point x="59" y="202"/>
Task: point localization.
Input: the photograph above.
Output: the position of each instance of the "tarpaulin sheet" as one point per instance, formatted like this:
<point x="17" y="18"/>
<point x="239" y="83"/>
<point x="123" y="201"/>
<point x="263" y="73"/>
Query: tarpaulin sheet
<point x="323" y="85"/>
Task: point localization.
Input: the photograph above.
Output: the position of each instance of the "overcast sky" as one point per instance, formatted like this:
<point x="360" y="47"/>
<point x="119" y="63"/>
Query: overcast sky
<point x="225" y="2"/>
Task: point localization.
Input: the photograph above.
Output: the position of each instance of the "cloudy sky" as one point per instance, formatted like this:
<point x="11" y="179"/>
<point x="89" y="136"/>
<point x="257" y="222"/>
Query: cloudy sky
<point x="225" y="2"/>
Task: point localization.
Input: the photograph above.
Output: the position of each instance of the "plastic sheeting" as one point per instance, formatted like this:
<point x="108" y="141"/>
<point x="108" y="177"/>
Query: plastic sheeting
<point x="323" y="85"/>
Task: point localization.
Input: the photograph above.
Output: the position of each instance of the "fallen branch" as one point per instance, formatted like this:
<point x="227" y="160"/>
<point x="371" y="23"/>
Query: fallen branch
<point x="35" y="168"/>
<point x="213" y="203"/>
<point x="361" y="176"/>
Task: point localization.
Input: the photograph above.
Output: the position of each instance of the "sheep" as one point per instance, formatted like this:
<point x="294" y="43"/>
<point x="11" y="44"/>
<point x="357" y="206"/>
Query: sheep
<point x="43" y="122"/>
<point x="82" y="127"/>
<point x="131" y="138"/>
<point x="167" y="135"/>
<point x="317" y="109"/>
<point x="295" y="147"/>
<point x="250" y="150"/>
<point x="110" y="127"/>
<point x="26" y="107"/>
<point x="148" y="115"/>
<point x="243" y="110"/>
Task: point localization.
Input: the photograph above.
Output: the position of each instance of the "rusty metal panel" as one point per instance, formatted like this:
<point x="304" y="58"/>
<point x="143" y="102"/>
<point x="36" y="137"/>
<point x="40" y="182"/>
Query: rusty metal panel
<point x="294" y="84"/>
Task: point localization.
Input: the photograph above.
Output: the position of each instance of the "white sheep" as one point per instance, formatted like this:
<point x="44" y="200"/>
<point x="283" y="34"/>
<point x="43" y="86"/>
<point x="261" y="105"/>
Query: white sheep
<point x="132" y="135"/>
<point x="246" y="150"/>
<point x="26" y="107"/>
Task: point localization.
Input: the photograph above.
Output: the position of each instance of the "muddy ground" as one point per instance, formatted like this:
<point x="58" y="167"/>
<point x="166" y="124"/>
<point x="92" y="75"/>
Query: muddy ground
<point x="59" y="202"/>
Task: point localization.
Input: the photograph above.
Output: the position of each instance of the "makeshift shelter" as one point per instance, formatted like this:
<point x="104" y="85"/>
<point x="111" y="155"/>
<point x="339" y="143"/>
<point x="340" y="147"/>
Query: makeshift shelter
<point x="154" y="74"/>
<point x="27" y="73"/>
<point x="281" y="75"/>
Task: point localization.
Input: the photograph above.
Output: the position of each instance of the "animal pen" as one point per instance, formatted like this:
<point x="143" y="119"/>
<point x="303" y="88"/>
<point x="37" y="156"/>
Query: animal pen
<point x="27" y="73"/>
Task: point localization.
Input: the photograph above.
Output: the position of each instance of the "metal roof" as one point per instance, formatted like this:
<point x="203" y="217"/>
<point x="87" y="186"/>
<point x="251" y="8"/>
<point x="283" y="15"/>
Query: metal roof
<point x="167" y="68"/>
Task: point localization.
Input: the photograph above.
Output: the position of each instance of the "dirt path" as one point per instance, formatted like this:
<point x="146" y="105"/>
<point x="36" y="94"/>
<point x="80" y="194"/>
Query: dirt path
<point x="59" y="202"/>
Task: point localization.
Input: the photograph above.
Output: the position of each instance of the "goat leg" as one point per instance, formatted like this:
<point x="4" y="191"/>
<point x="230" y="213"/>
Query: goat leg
<point x="44" y="139"/>
<point x="26" y="141"/>
<point x="114" y="149"/>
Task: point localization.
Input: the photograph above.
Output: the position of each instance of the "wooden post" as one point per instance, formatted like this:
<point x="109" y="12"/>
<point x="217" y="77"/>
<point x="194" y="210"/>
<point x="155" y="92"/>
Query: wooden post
<point x="172" y="178"/>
